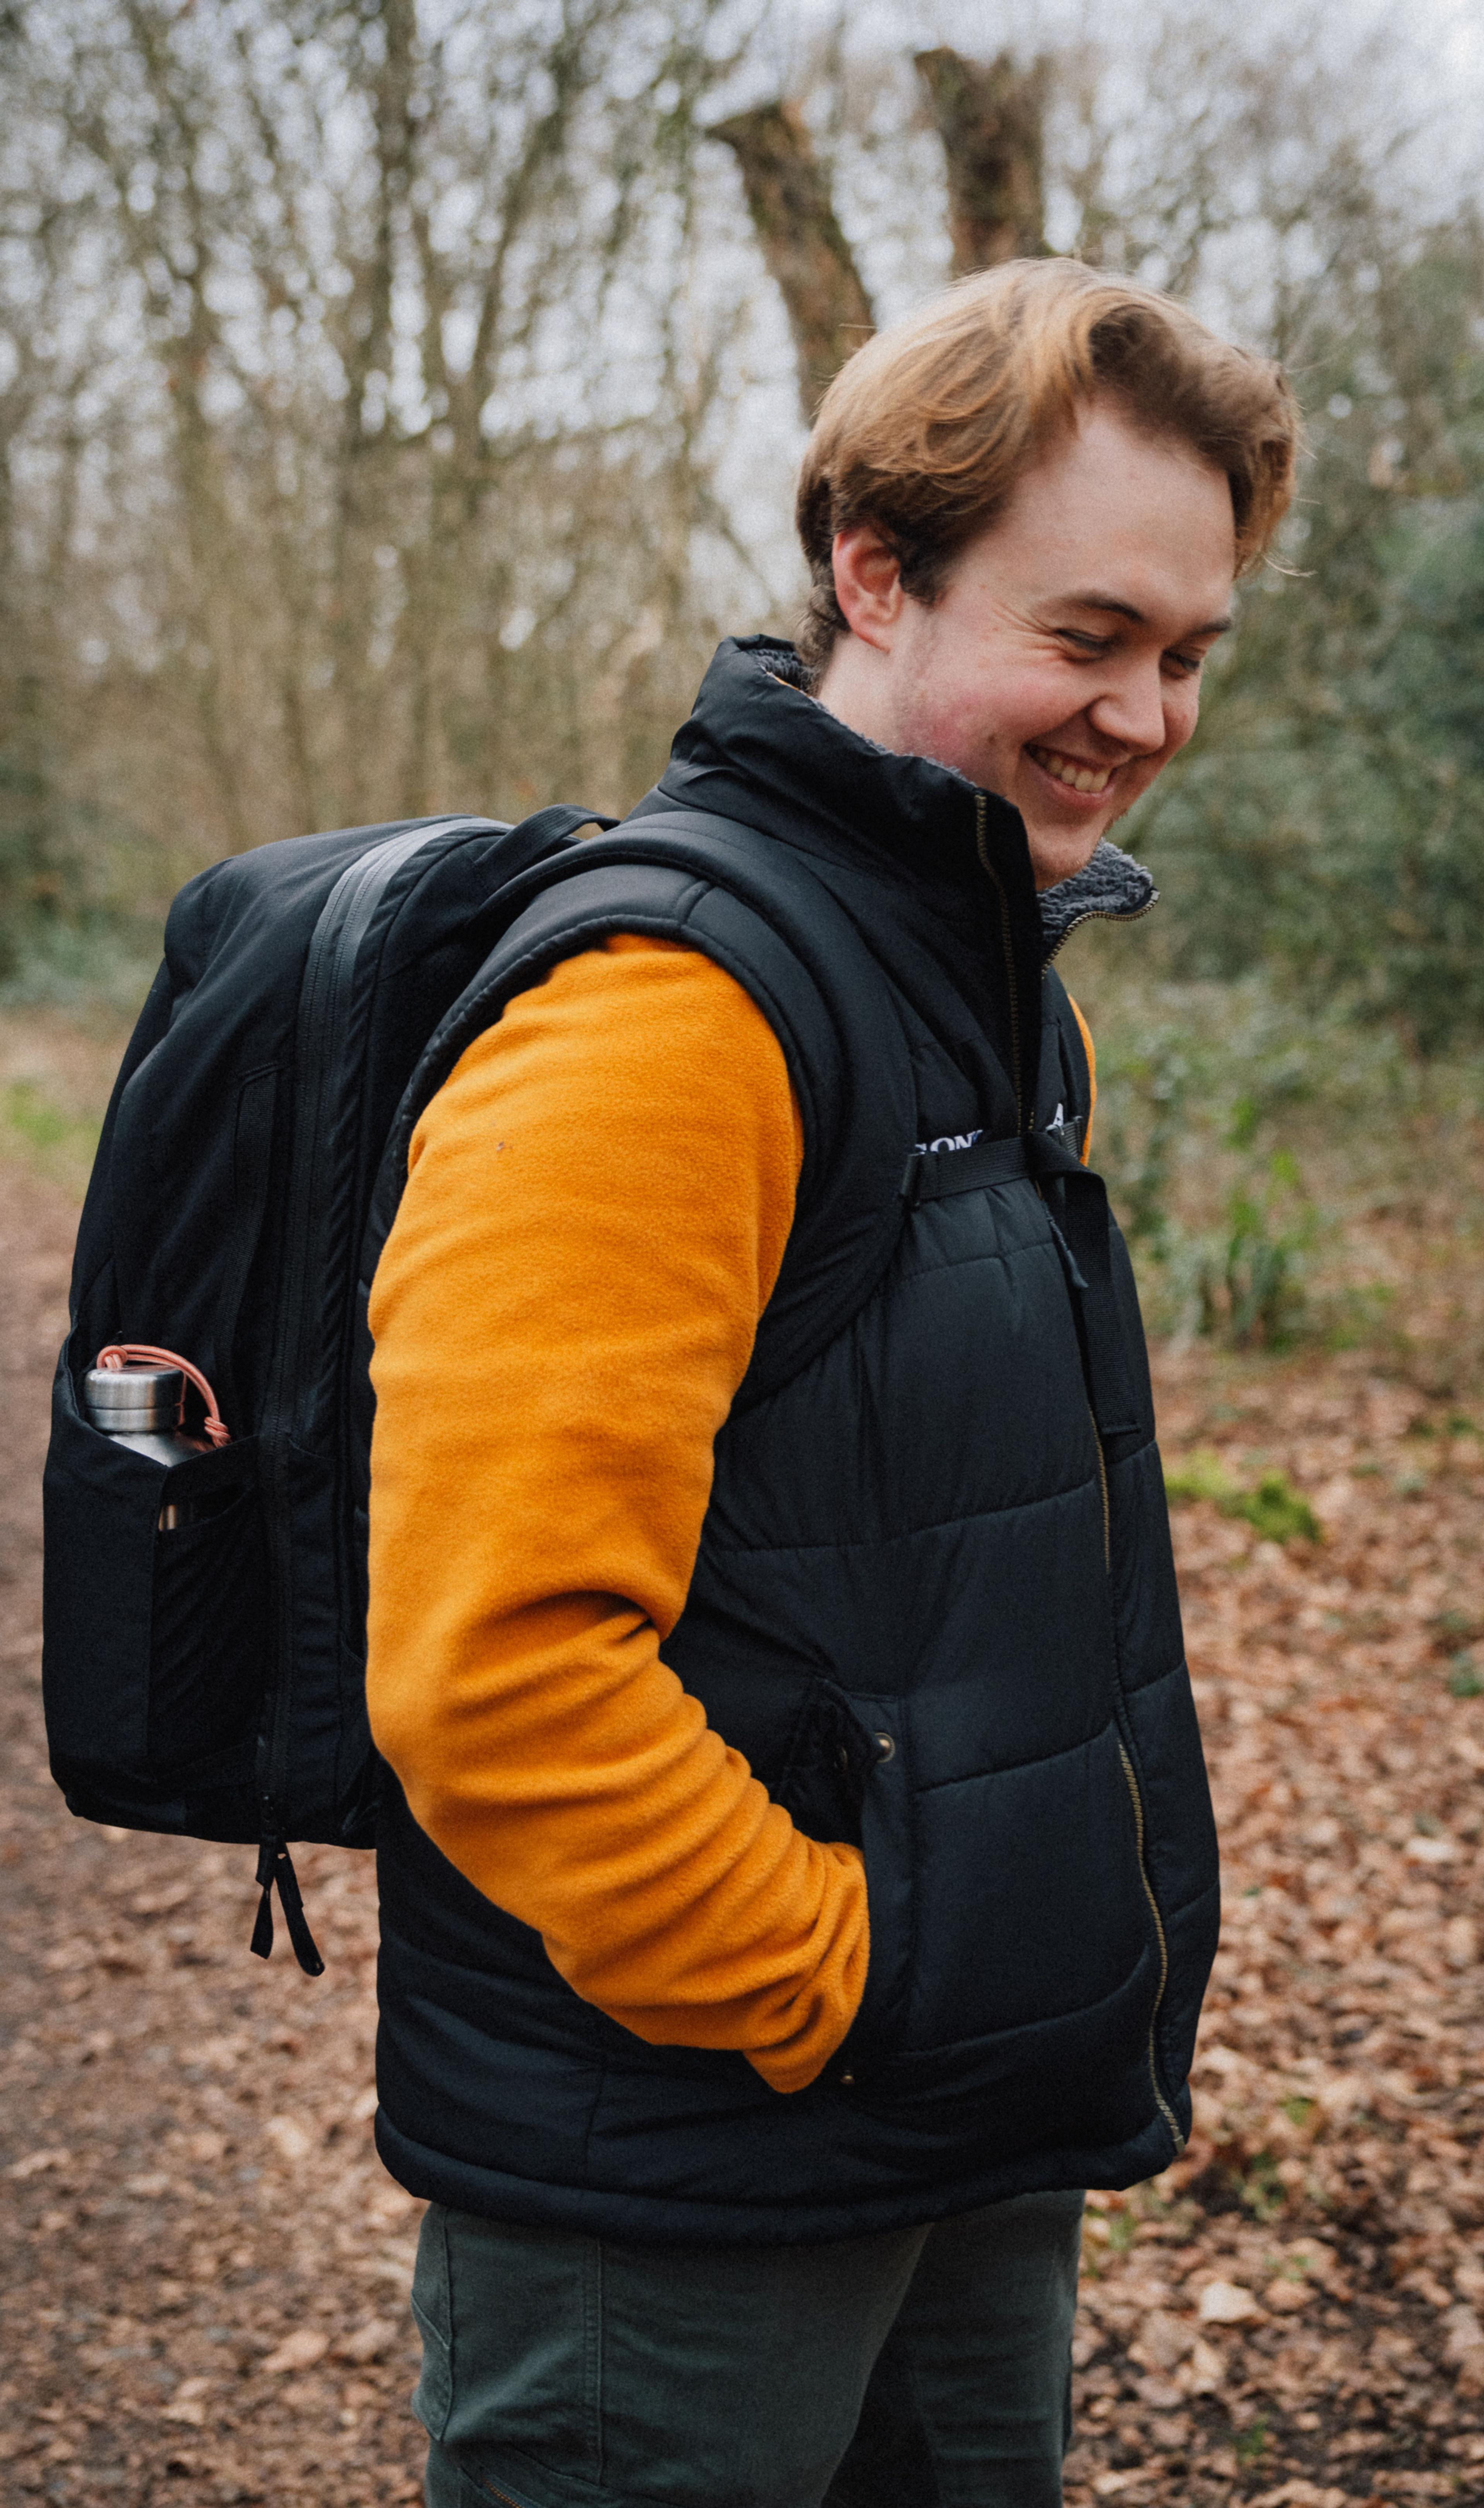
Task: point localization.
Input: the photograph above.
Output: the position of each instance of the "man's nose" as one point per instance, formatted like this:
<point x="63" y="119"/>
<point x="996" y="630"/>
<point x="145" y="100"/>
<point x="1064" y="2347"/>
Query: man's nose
<point x="1131" y="711"/>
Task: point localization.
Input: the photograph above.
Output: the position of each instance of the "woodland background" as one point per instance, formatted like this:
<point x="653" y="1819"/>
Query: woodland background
<point x="397" y="400"/>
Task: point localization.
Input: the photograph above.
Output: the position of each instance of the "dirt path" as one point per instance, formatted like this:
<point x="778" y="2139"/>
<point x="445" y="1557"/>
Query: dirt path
<point x="204" y="2265"/>
<point x="204" y="2268"/>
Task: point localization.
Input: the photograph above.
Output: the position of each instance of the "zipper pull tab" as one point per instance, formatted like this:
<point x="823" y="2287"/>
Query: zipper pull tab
<point x="275" y="1864"/>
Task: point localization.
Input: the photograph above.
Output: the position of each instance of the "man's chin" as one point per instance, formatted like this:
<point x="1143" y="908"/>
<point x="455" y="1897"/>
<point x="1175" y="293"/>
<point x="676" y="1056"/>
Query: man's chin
<point x="1060" y="854"/>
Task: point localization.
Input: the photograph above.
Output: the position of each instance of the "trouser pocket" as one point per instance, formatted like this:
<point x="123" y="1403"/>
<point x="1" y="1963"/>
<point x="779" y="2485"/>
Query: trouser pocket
<point x="511" y="2325"/>
<point x="433" y="2395"/>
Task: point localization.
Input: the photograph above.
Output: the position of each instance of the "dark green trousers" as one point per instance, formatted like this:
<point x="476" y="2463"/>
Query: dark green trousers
<point x="925" y="2368"/>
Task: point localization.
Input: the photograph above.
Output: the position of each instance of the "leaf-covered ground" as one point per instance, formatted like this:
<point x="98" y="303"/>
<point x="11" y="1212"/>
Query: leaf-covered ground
<point x="1292" y="2314"/>
<point x="205" y="2269"/>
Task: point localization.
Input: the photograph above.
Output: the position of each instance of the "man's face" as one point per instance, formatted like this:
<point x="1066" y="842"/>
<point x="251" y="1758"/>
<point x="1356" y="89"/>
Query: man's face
<point x="1060" y="664"/>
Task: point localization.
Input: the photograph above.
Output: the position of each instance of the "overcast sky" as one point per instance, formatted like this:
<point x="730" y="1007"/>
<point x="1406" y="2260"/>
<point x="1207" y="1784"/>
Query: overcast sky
<point x="1433" y="83"/>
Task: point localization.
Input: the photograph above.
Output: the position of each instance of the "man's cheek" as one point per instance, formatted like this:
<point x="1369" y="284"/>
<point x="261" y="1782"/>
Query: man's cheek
<point x="1180" y="722"/>
<point x="1132" y="786"/>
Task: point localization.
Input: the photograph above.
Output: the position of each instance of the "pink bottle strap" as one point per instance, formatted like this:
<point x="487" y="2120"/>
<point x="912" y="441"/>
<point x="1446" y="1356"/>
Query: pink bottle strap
<point x="142" y="1353"/>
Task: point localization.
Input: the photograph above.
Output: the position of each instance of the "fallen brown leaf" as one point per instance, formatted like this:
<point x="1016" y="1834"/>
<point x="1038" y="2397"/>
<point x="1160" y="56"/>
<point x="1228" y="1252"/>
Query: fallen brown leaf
<point x="301" y="2349"/>
<point x="1226" y="2303"/>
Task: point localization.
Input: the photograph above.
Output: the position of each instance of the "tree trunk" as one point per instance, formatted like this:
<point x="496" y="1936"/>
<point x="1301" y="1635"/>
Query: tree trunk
<point x="988" y="116"/>
<point x="806" y="253"/>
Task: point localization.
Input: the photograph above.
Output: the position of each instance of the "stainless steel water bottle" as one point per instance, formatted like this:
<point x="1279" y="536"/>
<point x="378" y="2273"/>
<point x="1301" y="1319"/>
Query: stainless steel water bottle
<point x="142" y="1408"/>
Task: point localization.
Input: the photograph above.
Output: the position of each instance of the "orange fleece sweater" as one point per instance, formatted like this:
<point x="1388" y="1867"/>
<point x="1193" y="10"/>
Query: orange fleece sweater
<point x="597" y="1206"/>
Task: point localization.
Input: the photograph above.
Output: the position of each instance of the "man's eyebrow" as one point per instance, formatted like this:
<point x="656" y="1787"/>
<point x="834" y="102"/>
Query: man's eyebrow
<point x="1126" y="609"/>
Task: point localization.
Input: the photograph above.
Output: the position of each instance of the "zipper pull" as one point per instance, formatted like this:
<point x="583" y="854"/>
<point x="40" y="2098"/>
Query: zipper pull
<point x="275" y="1864"/>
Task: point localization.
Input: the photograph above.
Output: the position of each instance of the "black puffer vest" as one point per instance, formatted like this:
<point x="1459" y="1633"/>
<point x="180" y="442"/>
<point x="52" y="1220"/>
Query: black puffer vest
<point x="934" y="1604"/>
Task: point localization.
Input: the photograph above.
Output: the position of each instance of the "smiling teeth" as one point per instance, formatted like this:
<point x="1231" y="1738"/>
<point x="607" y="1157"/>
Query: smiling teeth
<point x="1082" y="779"/>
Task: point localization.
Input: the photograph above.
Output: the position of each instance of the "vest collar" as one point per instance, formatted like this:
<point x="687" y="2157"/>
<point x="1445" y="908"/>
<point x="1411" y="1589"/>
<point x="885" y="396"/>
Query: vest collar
<point x="757" y="747"/>
<point x="1112" y="886"/>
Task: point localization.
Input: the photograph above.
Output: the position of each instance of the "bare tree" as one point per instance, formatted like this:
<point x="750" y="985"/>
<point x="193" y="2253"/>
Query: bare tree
<point x="369" y="281"/>
<point x="802" y="243"/>
<point x="989" y="117"/>
<point x="367" y="372"/>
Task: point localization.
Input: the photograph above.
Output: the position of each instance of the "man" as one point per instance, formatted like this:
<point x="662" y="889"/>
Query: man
<point x="800" y="1881"/>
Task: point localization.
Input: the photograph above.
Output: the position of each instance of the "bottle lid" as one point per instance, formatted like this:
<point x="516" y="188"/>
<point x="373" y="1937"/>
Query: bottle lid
<point x="134" y="1397"/>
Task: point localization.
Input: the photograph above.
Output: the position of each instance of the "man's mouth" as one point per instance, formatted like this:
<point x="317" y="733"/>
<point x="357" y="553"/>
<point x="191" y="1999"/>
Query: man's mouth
<point x="1073" y="772"/>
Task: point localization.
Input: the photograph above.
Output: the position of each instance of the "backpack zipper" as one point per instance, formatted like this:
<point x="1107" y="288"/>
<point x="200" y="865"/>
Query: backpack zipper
<point x="328" y="976"/>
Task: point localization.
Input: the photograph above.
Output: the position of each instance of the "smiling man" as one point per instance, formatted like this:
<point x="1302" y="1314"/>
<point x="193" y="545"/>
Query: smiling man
<point x="1061" y="689"/>
<point x="798" y="1879"/>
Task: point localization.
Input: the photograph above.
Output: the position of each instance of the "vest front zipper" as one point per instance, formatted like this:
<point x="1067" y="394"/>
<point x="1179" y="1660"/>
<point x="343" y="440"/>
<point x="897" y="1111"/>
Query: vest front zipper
<point x="506" y="2498"/>
<point x="1137" y="1800"/>
<point x="1102" y="1492"/>
<point x="982" y="848"/>
<point x="1096" y="914"/>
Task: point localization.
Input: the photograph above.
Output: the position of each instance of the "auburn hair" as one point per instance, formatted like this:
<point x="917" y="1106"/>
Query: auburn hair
<point x="925" y="431"/>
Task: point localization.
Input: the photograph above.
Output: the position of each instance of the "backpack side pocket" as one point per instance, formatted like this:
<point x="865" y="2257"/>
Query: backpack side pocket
<point x="207" y="1628"/>
<point x="155" y="1640"/>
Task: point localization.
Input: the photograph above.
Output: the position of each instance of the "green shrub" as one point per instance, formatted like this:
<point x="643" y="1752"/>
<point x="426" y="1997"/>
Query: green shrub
<point x="1273" y="1509"/>
<point x="46" y="1134"/>
<point x="1253" y="1284"/>
<point x="1201" y="1474"/>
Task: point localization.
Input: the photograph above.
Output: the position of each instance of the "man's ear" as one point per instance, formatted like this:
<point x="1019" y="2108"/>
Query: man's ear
<point x="867" y="585"/>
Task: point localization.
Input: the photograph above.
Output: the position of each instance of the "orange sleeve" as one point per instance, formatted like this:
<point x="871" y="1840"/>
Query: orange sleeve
<point x="597" y="1206"/>
<point x="1091" y="1050"/>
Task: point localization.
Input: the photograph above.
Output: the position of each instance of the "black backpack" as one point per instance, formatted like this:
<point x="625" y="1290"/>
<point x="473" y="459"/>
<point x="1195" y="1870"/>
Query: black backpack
<point x="208" y="1681"/>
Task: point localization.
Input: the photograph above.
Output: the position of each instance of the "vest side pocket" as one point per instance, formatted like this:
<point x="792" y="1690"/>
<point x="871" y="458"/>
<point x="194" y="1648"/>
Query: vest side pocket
<point x="828" y="1765"/>
<point x="887" y="1847"/>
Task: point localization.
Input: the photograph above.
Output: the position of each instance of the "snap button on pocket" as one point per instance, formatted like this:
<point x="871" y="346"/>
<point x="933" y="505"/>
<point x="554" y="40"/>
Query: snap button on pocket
<point x="887" y="1747"/>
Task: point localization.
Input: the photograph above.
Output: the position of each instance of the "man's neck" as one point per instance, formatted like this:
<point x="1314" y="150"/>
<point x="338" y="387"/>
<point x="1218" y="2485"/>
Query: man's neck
<point x="855" y="689"/>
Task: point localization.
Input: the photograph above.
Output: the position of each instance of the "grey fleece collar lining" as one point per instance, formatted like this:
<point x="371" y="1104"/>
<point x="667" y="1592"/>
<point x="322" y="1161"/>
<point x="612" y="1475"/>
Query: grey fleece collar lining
<point x="1112" y="885"/>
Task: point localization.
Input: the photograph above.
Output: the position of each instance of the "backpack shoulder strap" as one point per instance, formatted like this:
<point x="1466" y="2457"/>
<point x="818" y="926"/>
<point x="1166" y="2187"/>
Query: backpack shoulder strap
<point x="751" y="904"/>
